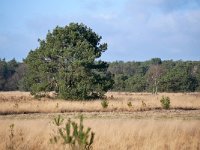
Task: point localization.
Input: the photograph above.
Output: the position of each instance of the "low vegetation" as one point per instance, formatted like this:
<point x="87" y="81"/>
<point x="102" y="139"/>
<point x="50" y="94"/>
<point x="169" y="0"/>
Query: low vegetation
<point x="65" y="72"/>
<point x="15" y="138"/>
<point x="119" y="126"/>
<point x="165" y="102"/>
<point x="129" y="104"/>
<point x="72" y="135"/>
<point x="23" y="102"/>
<point x="104" y="103"/>
<point x="109" y="134"/>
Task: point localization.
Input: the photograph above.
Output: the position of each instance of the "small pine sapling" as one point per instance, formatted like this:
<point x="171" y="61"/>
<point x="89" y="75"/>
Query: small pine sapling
<point x="104" y="103"/>
<point x="165" y="102"/>
<point x="73" y="134"/>
<point x="129" y="104"/>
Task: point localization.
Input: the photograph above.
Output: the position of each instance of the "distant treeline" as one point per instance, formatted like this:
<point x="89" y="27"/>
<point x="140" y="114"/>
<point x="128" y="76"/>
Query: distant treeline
<point x="156" y="75"/>
<point x="148" y="76"/>
<point x="11" y="75"/>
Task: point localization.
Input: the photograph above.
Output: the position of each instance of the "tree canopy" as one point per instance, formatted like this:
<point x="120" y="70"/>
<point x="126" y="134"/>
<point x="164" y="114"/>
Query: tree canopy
<point x="156" y="75"/>
<point x="11" y="73"/>
<point x="66" y="62"/>
<point x="146" y="76"/>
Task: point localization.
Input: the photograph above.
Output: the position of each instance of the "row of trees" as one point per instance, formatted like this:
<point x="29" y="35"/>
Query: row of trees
<point x="11" y="75"/>
<point x="67" y="62"/>
<point x="152" y="76"/>
<point x="156" y="75"/>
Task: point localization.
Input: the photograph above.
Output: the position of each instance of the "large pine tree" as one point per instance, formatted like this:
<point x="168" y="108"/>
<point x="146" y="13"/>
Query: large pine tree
<point x="66" y="62"/>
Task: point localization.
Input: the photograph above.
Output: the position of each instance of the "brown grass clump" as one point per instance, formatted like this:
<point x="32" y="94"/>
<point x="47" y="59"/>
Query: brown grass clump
<point x="110" y="134"/>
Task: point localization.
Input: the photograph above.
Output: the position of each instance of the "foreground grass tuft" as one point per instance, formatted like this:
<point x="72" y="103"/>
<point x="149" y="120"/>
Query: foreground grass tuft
<point x="72" y="135"/>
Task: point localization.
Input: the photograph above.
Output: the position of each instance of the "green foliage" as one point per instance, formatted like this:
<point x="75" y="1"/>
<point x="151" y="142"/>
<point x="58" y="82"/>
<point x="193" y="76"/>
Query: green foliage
<point x="165" y="102"/>
<point x="135" y="83"/>
<point x="156" y="61"/>
<point x="66" y="63"/>
<point x="104" y="103"/>
<point x="9" y="75"/>
<point x="129" y="104"/>
<point x="156" y="76"/>
<point x="153" y="75"/>
<point x="58" y="121"/>
<point x="73" y="134"/>
<point x="120" y="82"/>
<point x="178" y="79"/>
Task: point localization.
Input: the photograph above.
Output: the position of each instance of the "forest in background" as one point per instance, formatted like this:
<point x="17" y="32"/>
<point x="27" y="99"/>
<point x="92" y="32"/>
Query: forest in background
<point x="154" y="75"/>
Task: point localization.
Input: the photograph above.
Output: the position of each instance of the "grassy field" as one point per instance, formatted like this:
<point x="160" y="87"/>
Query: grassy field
<point x="144" y="125"/>
<point x="22" y="102"/>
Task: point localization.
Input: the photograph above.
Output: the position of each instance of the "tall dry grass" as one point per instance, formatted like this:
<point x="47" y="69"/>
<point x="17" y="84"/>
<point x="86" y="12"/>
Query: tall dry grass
<point x="116" y="127"/>
<point x="23" y="102"/>
<point x="111" y="134"/>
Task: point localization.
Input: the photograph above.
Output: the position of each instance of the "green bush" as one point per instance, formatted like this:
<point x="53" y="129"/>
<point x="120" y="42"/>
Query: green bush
<point x="129" y="104"/>
<point x="73" y="134"/>
<point x="165" y="102"/>
<point x="104" y="103"/>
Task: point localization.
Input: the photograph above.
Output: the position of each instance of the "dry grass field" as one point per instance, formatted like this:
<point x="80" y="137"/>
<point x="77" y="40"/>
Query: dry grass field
<point x="145" y="125"/>
<point x="113" y="134"/>
<point x="22" y="102"/>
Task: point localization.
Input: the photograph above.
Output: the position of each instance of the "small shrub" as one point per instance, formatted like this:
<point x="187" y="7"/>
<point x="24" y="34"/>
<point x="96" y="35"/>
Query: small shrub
<point x="73" y="134"/>
<point x="58" y="120"/>
<point x="165" y="102"/>
<point x="129" y="104"/>
<point x="111" y="97"/>
<point x="57" y="106"/>
<point x="11" y="144"/>
<point x="104" y="103"/>
<point x="144" y="104"/>
<point x="16" y="139"/>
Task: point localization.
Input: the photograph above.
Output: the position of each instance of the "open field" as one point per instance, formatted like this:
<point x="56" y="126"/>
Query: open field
<point x="22" y="102"/>
<point x="111" y="134"/>
<point x="116" y="127"/>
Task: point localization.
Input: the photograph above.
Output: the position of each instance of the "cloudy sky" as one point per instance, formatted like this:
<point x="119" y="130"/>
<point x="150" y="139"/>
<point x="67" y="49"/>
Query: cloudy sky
<point x="134" y="29"/>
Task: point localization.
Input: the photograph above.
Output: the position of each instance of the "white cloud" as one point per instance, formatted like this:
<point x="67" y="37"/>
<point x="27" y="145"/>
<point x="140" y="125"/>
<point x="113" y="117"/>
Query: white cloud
<point x="140" y="28"/>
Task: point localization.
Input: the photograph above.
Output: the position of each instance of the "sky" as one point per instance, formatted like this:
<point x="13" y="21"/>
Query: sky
<point x="135" y="30"/>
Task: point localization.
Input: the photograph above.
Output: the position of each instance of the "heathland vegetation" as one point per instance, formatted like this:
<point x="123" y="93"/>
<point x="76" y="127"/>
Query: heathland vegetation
<point x="26" y="122"/>
<point x="125" y="105"/>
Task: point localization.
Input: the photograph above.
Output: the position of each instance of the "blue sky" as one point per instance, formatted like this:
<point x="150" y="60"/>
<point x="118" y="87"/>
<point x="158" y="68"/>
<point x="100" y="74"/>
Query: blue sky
<point x="134" y="29"/>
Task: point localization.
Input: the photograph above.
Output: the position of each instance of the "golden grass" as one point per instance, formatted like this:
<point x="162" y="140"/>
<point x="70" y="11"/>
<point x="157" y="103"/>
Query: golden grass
<point x="23" y="102"/>
<point x="110" y="134"/>
<point x="117" y="127"/>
